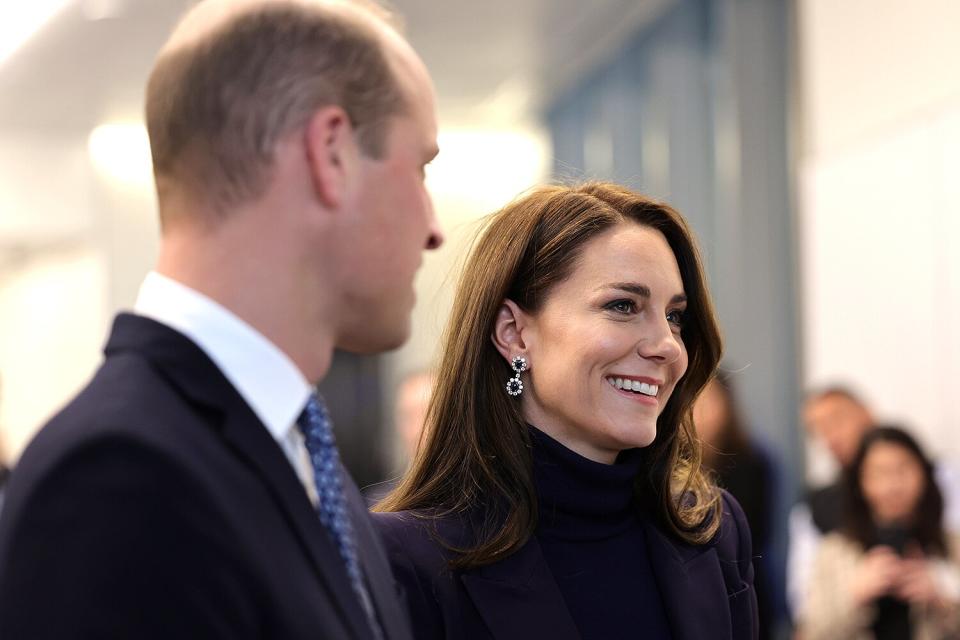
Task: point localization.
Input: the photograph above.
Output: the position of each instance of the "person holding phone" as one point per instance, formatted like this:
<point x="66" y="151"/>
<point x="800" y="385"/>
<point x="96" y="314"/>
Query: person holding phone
<point x="891" y="572"/>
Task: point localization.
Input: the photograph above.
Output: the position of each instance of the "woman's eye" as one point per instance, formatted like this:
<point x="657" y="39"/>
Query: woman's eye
<point x="622" y="306"/>
<point x="676" y="318"/>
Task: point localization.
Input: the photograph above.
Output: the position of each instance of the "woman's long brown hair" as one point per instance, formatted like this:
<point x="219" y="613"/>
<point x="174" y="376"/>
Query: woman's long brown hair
<point x="474" y="455"/>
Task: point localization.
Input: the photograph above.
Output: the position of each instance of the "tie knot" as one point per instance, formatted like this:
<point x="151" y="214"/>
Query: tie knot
<point x="314" y="422"/>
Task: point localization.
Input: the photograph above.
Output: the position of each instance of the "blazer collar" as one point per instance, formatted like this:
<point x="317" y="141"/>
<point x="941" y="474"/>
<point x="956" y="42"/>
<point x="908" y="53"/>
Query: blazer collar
<point x="518" y="598"/>
<point x="688" y="577"/>
<point x="394" y="619"/>
<point x="189" y="369"/>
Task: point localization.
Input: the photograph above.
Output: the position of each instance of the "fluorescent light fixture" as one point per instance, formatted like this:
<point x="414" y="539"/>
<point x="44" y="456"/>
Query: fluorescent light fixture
<point x="488" y="167"/>
<point x="21" y="20"/>
<point x="94" y="10"/>
<point x="121" y="153"/>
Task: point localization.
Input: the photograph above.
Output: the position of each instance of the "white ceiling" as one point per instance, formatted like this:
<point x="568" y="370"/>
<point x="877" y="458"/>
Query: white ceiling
<point x="493" y="61"/>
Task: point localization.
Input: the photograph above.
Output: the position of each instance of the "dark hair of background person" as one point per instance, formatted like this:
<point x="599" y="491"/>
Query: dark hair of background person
<point x="927" y="527"/>
<point x="732" y="439"/>
<point x="746" y="471"/>
<point x="739" y="466"/>
<point x="4" y="470"/>
<point x="216" y="108"/>
<point x="476" y="447"/>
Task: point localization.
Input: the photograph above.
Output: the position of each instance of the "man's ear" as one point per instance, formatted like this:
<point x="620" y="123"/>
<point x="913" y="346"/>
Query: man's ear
<point x="332" y="154"/>
<point x="511" y="329"/>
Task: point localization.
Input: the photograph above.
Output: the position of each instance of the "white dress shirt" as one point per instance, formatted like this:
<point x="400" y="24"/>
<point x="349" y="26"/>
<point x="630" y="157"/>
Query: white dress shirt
<point x="265" y="377"/>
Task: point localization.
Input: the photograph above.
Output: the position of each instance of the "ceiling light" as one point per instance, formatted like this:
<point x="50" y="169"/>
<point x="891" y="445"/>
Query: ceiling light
<point x="94" y="10"/>
<point x="121" y="153"/>
<point x="21" y="20"/>
<point x="488" y="167"/>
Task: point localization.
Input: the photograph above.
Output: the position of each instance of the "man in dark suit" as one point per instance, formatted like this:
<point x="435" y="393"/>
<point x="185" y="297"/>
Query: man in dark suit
<point x="193" y="489"/>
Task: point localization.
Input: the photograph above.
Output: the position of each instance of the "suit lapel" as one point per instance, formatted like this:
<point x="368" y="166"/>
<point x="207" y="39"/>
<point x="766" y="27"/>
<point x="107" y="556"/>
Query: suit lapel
<point x="689" y="578"/>
<point x="187" y="367"/>
<point x="394" y="620"/>
<point x="518" y="597"/>
<point x="243" y="431"/>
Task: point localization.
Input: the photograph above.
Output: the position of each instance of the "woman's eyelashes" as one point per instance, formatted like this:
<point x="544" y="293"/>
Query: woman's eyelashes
<point x="676" y="317"/>
<point x="626" y="307"/>
<point x="622" y="306"/>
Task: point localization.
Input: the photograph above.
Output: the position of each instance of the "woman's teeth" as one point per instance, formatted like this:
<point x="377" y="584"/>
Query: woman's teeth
<point x="634" y="386"/>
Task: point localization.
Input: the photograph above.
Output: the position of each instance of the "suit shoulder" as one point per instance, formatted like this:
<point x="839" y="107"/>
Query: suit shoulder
<point x="91" y="515"/>
<point x="125" y="386"/>
<point x="126" y="401"/>
<point x="110" y="466"/>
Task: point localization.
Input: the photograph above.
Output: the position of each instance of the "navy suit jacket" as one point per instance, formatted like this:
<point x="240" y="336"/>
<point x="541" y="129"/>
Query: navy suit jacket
<point x="707" y="589"/>
<point x="157" y="505"/>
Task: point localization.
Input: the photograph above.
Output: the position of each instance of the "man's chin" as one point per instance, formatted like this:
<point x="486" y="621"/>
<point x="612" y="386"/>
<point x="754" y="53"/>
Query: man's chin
<point x="374" y="342"/>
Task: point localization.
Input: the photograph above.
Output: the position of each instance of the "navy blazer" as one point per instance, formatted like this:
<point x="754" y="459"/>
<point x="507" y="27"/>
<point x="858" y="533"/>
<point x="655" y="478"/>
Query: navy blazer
<point x="707" y="589"/>
<point x="157" y="505"/>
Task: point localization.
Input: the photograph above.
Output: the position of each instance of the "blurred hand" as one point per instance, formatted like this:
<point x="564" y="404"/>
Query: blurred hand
<point x="916" y="582"/>
<point x="876" y="575"/>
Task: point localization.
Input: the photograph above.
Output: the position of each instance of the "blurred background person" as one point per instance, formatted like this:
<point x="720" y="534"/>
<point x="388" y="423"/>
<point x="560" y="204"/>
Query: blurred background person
<point x="890" y="571"/>
<point x="4" y="471"/>
<point x="742" y="467"/>
<point x="410" y="412"/>
<point x="838" y="419"/>
<point x="411" y="401"/>
<point x="4" y="474"/>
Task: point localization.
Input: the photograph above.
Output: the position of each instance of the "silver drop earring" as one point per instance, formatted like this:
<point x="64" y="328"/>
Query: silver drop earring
<point x="514" y="384"/>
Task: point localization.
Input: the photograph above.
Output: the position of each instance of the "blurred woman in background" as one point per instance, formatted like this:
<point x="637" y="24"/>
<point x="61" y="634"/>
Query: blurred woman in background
<point x="743" y="469"/>
<point x="557" y="490"/>
<point x="891" y="572"/>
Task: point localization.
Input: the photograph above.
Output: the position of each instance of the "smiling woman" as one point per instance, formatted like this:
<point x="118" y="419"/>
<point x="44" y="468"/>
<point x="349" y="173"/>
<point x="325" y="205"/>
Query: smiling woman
<point x="578" y="488"/>
<point x="594" y="330"/>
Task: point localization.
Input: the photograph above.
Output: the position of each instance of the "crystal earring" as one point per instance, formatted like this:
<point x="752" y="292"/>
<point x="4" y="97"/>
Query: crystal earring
<point x="514" y="384"/>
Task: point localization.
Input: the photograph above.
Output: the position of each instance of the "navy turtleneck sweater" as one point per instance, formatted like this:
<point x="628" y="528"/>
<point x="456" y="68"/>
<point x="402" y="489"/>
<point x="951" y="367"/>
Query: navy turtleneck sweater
<point x="592" y="536"/>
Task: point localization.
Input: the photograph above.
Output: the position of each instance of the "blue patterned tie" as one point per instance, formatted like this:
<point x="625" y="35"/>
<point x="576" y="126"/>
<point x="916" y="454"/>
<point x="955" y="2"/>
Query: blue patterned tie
<point x="314" y="422"/>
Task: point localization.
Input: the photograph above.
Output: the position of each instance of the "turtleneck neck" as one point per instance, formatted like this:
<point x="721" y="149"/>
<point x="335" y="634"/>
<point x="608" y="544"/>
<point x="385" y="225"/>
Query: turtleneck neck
<point x="580" y="499"/>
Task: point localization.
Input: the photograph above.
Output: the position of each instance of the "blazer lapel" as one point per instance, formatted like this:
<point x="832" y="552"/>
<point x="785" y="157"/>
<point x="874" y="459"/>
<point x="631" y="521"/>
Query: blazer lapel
<point x="518" y="598"/>
<point x="252" y="441"/>
<point x="393" y="618"/>
<point x="689" y="579"/>
<point x="186" y="366"/>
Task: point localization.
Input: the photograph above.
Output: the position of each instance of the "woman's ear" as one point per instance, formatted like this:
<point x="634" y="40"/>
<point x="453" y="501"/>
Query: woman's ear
<point x="509" y="330"/>
<point x="331" y="153"/>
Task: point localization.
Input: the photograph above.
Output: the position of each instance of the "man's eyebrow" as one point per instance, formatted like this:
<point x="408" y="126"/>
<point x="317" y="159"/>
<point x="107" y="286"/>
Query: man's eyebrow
<point x="641" y="290"/>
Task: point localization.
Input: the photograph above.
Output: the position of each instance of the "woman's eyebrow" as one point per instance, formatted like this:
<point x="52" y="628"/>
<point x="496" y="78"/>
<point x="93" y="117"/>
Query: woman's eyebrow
<point x="641" y="290"/>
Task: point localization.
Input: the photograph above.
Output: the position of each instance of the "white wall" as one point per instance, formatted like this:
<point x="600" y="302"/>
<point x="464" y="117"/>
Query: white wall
<point x="54" y="319"/>
<point x="74" y="246"/>
<point x="880" y="206"/>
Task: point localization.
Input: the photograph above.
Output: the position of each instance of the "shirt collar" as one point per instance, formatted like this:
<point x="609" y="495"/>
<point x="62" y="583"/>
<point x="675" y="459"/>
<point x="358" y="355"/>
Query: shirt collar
<point x="265" y="376"/>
